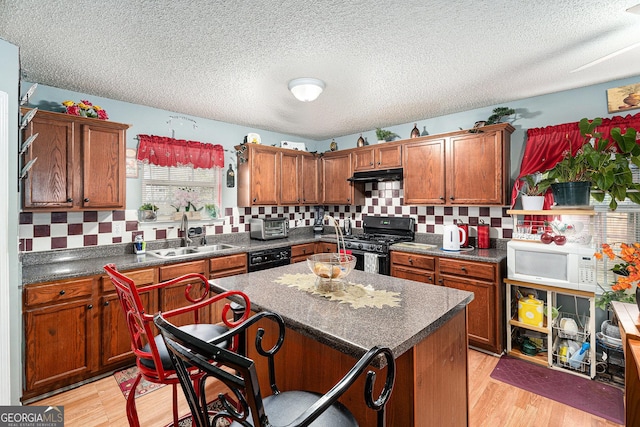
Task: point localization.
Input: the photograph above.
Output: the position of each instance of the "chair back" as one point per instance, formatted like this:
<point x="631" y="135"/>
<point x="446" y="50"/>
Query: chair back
<point x="237" y="372"/>
<point x="139" y="324"/>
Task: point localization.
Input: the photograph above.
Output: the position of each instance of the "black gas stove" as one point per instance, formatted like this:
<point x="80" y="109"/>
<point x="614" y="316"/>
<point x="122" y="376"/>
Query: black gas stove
<point x="380" y="232"/>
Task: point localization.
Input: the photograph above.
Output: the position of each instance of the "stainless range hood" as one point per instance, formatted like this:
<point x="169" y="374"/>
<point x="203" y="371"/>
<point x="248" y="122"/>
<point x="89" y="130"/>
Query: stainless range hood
<point x="377" y="175"/>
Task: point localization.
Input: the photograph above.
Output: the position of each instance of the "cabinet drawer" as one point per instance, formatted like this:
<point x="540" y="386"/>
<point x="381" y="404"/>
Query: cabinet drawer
<point x="415" y="274"/>
<point x="301" y="250"/>
<point x="424" y="262"/>
<point x="142" y="277"/>
<point x="227" y="262"/>
<point x="169" y="272"/>
<point x="55" y="292"/>
<point x="479" y="270"/>
<point x="323" y="247"/>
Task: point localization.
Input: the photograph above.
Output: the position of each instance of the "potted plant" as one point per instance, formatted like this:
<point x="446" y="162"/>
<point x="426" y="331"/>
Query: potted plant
<point x="386" y="135"/>
<point x="147" y="212"/>
<point x="533" y="191"/>
<point x="498" y="114"/>
<point x="211" y="209"/>
<point x="626" y="269"/>
<point x="599" y="165"/>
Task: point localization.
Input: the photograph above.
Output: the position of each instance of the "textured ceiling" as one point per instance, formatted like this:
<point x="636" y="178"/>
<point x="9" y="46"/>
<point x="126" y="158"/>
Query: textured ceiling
<point x="384" y="63"/>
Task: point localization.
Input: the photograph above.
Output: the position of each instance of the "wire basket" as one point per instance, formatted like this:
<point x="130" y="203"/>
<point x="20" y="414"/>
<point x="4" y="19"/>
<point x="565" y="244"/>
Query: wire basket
<point x="563" y="359"/>
<point x="565" y="328"/>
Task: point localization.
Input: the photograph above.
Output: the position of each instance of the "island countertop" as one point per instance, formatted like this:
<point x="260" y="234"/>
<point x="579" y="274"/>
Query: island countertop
<point x="421" y="309"/>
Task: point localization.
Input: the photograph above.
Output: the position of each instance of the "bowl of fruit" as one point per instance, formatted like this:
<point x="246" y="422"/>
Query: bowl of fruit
<point x="330" y="269"/>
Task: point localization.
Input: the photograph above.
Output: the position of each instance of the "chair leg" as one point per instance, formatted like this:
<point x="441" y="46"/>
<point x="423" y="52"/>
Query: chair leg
<point x="175" y="405"/>
<point x="132" y="412"/>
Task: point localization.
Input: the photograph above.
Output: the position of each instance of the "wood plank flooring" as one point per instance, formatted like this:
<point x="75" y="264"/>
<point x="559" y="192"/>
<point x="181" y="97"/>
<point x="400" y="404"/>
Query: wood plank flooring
<point x="491" y="403"/>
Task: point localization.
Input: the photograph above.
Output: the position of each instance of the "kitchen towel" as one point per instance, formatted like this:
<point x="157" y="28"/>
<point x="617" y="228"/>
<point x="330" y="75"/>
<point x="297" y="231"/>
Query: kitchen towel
<point x="370" y="263"/>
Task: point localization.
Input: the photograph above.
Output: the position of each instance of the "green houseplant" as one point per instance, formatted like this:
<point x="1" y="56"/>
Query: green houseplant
<point x="148" y="212"/>
<point x="386" y="135"/>
<point x="533" y="191"/>
<point x="600" y="166"/>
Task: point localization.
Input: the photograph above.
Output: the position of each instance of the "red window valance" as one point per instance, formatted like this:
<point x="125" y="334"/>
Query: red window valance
<point x="545" y="146"/>
<point x="163" y="151"/>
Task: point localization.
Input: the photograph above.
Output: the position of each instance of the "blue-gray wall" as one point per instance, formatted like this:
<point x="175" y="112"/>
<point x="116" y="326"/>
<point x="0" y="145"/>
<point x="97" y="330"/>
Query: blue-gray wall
<point x="9" y="81"/>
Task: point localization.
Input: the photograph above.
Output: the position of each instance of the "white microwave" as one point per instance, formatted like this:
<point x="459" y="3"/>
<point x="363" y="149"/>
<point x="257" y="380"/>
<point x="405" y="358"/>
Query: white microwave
<point x="569" y="266"/>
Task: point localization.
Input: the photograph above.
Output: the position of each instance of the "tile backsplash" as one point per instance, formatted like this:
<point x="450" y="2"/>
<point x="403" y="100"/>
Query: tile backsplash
<point x="68" y="230"/>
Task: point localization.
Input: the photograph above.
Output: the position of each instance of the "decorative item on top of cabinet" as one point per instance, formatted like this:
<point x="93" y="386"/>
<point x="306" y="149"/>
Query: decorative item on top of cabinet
<point x="360" y="142"/>
<point x="415" y="132"/>
<point x="333" y="146"/>
<point x="424" y="131"/>
<point x="81" y="163"/>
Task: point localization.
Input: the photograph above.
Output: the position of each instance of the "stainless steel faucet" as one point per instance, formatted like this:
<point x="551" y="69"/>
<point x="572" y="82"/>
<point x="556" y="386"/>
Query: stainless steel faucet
<point x="184" y="227"/>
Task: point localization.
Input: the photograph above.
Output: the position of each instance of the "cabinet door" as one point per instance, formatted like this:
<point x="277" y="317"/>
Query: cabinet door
<point x="58" y="346"/>
<point x="310" y="179"/>
<point x="481" y="312"/>
<point x="103" y="152"/>
<point x="49" y="183"/>
<point x="265" y="175"/>
<point x="424" y="177"/>
<point x="115" y="342"/>
<point x="326" y="247"/>
<point x="172" y="297"/>
<point x="388" y="156"/>
<point x="300" y="253"/>
<point x="290" y="176"/>
<point x="475" y="169"/>
<point x="415" y="274"/>
<point x="336" y="169"/>
<point x="224" y="267"/>
<point x="364" y="159"/>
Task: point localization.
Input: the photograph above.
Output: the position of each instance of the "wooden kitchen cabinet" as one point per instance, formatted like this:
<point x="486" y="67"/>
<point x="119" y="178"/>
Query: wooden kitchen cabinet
<point x="424" y="177"/>
<point x="485" y="313"/>
<point x="276" y="176"/>
<point x="60" y="346"/>
<point x="80" y="163"/>
<point x="459" y="168"/>
<point x="336" y="169"/>
<point x="326" y="247"/>
<point x="115" y="341"/>
<point x="381" y="156"/>
<point x="299" y="178"/>
<point x="300" y="253"/>
<point x="412" y="266"/>
<point x="223" y="267"/>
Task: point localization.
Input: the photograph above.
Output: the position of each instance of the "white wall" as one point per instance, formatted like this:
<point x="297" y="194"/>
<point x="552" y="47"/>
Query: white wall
<point x="11" y="344"/>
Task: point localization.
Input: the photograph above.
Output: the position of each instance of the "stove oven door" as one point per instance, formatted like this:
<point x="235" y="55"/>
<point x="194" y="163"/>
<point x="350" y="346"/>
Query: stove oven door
<point x="372" y="262"/>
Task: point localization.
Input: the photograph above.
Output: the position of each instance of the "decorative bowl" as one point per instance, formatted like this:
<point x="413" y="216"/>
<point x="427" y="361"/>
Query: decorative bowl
<point x="330" y="267"/>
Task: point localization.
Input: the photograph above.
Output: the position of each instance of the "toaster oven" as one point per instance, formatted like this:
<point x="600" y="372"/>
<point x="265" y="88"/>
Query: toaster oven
<point x="269" y="228"/>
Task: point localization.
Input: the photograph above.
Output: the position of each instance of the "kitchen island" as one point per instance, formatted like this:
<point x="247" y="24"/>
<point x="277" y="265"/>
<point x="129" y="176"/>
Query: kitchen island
<point x="425" y="326"/>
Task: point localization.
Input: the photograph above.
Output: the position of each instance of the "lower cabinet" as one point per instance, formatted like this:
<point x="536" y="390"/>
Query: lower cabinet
<point x="325" y="247"/>
<point x="59" y="326"/>
<point x="300" y="253"/>
<point x="224" y="267"/>
<point x="174" y="296"/>
<point x="485" y="312"/>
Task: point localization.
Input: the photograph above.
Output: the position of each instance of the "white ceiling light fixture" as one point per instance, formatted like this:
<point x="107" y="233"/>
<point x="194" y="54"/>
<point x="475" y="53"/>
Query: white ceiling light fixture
<point x="306" y="89"/>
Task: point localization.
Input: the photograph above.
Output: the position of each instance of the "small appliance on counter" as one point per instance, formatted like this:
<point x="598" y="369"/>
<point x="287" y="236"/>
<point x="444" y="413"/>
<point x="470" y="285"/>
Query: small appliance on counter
<point x="453" y="237"/>
<point x="269" y="228"/>
<point x="318" y="222"/>
<point x="347" y="227"/>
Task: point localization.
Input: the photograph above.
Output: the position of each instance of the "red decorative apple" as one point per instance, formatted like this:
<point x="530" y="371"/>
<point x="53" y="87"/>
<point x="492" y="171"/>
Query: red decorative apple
<point x="560" y="240"/>
<point x="546" y="238"/>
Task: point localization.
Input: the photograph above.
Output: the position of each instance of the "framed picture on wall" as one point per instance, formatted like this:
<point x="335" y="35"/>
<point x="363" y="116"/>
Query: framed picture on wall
<point x="131" y="163"/>
<point x="623" y="98"/>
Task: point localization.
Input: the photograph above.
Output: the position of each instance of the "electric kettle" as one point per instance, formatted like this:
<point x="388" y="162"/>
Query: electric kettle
<point x="453" y="237"/>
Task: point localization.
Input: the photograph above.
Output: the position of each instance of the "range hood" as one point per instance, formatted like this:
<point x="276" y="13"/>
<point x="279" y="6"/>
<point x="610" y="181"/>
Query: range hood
<point x="377" y="175"/>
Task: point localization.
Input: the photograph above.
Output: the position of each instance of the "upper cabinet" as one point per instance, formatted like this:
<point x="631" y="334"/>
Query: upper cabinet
<point x="336" y="170"/>
<point x="276" y="176"/>
<point x="80" y="164"/>
<point x="381" y="156"/>
<point x="459" y="168"/>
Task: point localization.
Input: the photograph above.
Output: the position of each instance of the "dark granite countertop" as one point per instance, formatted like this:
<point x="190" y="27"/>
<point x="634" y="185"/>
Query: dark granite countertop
<point x="46" y="266"/>
<point x="421" y="311"/>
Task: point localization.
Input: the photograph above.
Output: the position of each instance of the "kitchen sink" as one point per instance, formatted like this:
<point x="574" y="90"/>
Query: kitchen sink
<point x="189" y="251"/>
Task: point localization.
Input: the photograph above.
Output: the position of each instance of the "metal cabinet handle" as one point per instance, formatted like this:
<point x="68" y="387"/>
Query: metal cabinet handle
<point x="90" y="306"/>
<point x="370" y="163"/>
<point x="254" y="200"/>
<point x="451" y="197"/>
<point x="69" y="200"/>
<point x="86" y="200"/>
<point x="440" y="281"/>
<point x="106" y="303"/>
<point x="441" y="197"/>
<point x="410" y="260"/>
<point x="463" y="269"/>
<point x="62" y="292"/>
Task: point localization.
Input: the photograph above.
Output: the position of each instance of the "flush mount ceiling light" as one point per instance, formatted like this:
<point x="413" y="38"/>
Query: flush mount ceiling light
<point x="306" y="89"/>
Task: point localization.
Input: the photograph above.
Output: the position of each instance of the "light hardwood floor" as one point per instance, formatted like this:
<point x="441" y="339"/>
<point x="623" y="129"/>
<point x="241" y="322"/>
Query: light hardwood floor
<point x="491" y="403"/>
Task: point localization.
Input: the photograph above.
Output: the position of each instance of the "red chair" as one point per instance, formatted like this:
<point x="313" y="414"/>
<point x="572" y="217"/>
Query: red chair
<point x="152" y="357"/>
